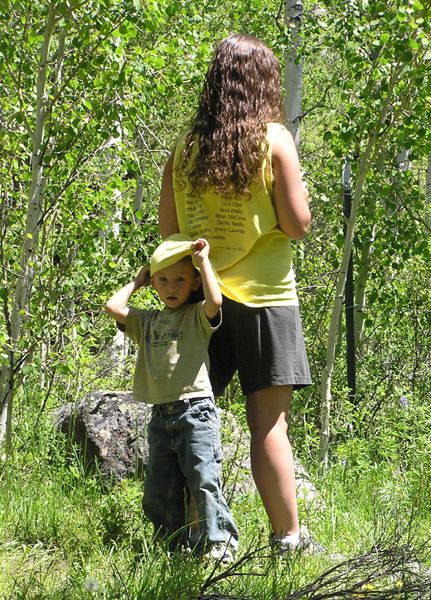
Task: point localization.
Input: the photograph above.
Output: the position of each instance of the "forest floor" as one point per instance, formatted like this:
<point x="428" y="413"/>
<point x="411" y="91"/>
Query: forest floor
<point x="64" y="535"/>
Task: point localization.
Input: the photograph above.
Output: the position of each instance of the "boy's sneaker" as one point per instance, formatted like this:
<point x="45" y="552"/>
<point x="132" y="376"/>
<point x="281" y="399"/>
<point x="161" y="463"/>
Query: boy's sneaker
<point x="306" y="544"/>
<point x="221" y="553"/>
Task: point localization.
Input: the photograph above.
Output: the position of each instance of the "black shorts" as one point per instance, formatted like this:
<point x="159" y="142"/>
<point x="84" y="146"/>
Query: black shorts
<point x="265" y="344"/>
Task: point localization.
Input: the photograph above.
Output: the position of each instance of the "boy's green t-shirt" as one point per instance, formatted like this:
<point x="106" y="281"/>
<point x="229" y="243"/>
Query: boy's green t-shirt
<point x="251" y="256"/>
<point x="173" y="361"/>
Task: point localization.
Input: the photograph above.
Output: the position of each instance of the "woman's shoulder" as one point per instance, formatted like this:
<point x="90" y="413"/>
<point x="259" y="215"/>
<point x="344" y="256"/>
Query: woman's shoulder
<point x="179" y="145"/>
<point x="278" y="135"/>
<point x="275" y="126"/>
<point x="275" y="129"/>
<point x="181" y="138"/>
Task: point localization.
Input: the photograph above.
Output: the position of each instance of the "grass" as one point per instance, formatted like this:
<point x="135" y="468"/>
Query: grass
<point x="64" y="534"/>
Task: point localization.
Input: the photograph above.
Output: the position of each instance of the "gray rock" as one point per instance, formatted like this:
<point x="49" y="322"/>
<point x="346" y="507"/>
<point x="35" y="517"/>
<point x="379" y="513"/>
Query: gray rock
<point x="306" y="491"/>
<point x="110" y="429"/>
<point x="237" y="478"/>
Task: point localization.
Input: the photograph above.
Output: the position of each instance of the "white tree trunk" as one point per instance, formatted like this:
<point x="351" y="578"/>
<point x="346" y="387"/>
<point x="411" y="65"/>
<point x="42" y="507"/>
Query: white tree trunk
<point x="293" y="68"/>
<point x="326" y="394"/>
<point x="373" y="145"/>
<point x="403" y="160"/>
<point x="30" y="240"/>
<point x="361" y="285"/>
<point x="119" y="345"/>
<point x="139" y="196"/>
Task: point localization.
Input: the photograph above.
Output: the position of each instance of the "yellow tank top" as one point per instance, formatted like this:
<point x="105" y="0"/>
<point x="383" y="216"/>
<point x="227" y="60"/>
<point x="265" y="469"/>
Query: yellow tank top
<point x="251" y="256"/>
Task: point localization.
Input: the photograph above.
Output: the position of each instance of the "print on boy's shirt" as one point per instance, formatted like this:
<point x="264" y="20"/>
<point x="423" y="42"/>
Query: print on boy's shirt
<point x="155" y="339"/>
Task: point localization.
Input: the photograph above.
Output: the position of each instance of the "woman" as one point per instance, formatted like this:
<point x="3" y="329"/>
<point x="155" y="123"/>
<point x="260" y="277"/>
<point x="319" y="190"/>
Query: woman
<point x="235" y="179"/>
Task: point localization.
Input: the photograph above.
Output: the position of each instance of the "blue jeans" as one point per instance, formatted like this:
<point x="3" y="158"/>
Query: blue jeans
<point x="185" y="458"/>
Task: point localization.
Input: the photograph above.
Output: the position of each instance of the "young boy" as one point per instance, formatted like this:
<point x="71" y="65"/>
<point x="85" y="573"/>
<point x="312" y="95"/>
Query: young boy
<point x="172" y="374"/>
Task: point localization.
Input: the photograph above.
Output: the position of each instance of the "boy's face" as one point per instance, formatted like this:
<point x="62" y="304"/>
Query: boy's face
<point x="174" y="284"/>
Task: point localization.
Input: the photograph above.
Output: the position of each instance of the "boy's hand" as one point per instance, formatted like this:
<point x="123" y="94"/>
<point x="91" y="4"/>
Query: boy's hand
<point x="212" y="294"/>
<point x="143" y="277"/>
<point x="117" y="304"/>
<point x="201" y="249"/>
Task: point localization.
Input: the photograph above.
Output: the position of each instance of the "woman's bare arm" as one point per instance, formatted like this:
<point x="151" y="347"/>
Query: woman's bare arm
<point x="168" y="222"/>
<point x="290" y="195"/>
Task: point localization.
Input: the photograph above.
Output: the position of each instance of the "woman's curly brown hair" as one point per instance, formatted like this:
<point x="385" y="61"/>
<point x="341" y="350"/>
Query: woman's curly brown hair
<point x="241" y="94"/>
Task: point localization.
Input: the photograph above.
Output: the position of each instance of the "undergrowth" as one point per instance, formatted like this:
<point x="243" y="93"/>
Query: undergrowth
<point x="66" y="533"/>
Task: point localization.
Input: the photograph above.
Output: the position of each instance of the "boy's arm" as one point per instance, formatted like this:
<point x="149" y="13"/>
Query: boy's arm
<point x="212" y="293"/>
<point x="117" y="304"/>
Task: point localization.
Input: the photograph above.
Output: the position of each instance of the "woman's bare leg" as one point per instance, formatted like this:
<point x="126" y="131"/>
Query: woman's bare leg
<point x="271" y="456"/>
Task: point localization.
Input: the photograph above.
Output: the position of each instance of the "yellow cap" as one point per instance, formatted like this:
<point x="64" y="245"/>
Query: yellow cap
<point x="170" y="251"/>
